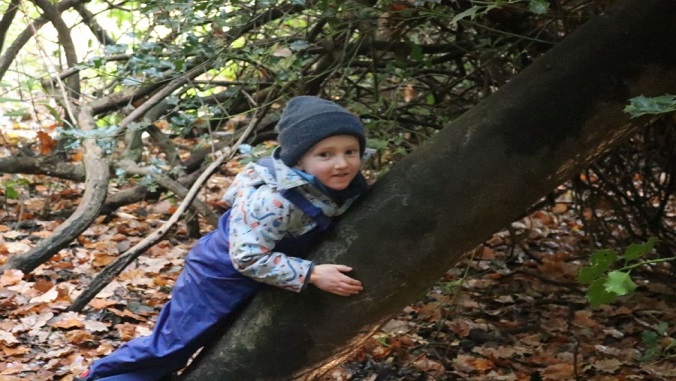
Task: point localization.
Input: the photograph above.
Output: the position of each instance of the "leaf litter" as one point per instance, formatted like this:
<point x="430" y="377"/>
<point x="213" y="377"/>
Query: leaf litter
<point x="519" y="314"/>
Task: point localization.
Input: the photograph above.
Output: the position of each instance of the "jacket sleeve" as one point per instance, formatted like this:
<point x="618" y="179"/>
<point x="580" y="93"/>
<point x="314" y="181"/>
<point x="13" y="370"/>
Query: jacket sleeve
<point x="258" y="221"/>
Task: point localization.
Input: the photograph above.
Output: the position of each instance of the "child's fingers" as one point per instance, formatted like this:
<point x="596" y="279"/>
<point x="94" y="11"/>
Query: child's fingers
<point x="349" y="289"/>
<point x="343" y="268"/>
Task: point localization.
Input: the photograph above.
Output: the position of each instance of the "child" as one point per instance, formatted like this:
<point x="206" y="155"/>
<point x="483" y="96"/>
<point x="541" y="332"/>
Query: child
<point x="280" y="206"/>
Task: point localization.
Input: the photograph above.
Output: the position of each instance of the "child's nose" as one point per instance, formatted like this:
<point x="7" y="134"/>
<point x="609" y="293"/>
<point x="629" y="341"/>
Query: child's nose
<point x="340" y="161"/>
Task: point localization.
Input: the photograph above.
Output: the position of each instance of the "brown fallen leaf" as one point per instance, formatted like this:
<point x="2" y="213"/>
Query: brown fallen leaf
<point x="559" y="372"/>
<point x="8" y="338"/>
<point x="126" y="331"/>
<point x="433" y="368"/>
<point x="99" y="303"/>
<point x="67" y="320"/>
<point x="47" y="297"/>
<point x="10" y="277"/>
<point x="15" y="351"/>
<point x="79" y="337"/>
<point x="126" y="313"/>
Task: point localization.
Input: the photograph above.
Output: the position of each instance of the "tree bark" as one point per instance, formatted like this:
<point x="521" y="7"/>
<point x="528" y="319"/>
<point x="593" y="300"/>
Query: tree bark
<point x="472" y="179"/>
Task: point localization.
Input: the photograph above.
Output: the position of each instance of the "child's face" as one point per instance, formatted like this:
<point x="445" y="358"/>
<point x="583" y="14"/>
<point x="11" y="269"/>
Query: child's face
<point x="334" y="161"/>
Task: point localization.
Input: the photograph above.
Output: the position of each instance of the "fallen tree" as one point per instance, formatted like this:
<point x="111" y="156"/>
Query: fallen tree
<point x="471" y="179"/>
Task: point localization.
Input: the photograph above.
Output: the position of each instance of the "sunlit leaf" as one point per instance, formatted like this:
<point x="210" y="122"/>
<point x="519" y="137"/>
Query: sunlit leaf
<point x="643" y="105"/>
<point x="538" y="6"/>
<point x="11" y="192"/>
<point x="620" y="283"/>
<point x="469" y="13"/>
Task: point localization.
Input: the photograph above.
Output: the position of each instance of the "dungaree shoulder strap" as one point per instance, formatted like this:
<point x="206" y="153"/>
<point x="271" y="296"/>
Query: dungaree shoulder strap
<point x="322" y="220"/>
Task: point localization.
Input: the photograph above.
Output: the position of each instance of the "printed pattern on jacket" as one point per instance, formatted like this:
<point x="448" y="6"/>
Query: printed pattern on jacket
<point x="260" y="217"/>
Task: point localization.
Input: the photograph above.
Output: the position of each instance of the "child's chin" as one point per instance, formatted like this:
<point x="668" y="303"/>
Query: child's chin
<point x="338" y="186"/>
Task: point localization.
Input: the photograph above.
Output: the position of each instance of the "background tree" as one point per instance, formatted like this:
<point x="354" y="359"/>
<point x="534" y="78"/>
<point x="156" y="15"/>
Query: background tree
<point x="132" y="101"/>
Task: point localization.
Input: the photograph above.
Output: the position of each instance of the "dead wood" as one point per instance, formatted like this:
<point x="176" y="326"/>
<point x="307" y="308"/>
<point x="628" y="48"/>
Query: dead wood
<point x="115" y="268"/>
<point x="96" y="187"/>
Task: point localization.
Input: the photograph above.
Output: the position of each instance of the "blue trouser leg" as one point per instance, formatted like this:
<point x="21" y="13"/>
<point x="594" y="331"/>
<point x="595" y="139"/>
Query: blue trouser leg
<point x="205" y="293"/>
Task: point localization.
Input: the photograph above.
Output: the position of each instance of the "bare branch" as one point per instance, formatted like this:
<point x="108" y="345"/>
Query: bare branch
<point x="54" y="16"/>
<point x="125" y="259"/>
<point x="97" y="30"/>
<point x="21" y="40"/>
<point x="172" y="185"/>
<point x="43" y="165"/>
<point x="96" y="188"/>
<point x="7" y="19"/>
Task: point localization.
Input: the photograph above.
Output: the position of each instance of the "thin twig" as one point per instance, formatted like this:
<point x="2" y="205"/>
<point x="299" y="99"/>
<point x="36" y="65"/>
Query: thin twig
<point x="115" y="268"/>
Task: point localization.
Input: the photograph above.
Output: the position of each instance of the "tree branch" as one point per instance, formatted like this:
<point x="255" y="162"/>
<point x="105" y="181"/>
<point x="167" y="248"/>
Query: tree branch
<point x="115" y="268"/>
<point x="52" y="165"/>
<point x="173" y="186"/>
<point x="7" y="19"/>
<point x="96" y="188"/>
<point x="97" y="30"/>
<point x="21" y="40"/>
<point x="66" y="42"/>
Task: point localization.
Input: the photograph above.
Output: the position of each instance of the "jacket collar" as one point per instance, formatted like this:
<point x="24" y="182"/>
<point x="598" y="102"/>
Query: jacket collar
<point x="284" y="178"/>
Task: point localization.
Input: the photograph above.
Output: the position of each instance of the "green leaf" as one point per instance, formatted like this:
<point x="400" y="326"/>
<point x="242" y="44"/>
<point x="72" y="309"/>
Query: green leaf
<point x="19" y="112"/>
<point x="469" y="13"/>
<point x="588" y="274"/>
<point x="4" y="100"/>
<point x="430" y="99"/>
<point x="599" y="261"/>
<point x="603" y="258"/>
<point x="652" y="345"/>
<point x="538" y="6"/>
<point x="635" y="251"/>
<point x="643" y="105"/>
<point x="598" y="295"/>
<point x="620" y="283"/>
<point x="650" y="338"/>
<point x="662" y="328"/>
<point x="10" y="192"/>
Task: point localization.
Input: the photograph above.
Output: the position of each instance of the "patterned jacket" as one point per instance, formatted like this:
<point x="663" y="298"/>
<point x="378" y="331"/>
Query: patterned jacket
<point x="260" y="217"/>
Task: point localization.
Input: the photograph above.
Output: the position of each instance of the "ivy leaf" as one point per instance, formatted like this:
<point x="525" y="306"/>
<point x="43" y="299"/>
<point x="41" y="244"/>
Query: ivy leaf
<point x="299" y="45"/>
<point x="635" y="251"/>
<point x="538" y="6"/>
<point x="620" y="283"/>
<point x="588" y="274"/>
<point x="662" y="328"/>
<point x="469" y="13"/>
<point x="650" y="338"/>
<point x="599" y="261"/>
<point x="643" y="105"/>
<point x="652" y="345"/>
<point x="603" y="258"/>
<point x="598" y="295"/>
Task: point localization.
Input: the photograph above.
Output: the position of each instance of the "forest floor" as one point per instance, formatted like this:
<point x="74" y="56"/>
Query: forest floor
<point x="512" y="311"/>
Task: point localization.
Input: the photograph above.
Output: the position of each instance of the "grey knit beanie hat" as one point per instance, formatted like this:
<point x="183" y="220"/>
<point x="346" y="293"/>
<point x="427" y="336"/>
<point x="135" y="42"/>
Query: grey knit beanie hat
<point x="306" y="120"/>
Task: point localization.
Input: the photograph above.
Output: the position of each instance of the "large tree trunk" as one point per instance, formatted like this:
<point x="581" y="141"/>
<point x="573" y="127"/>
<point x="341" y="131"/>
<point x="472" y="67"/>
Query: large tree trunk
<point x="472" y="179"/>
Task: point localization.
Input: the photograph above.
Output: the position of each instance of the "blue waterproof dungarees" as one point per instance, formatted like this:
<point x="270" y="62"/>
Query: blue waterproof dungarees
<point x="208" y="291"/>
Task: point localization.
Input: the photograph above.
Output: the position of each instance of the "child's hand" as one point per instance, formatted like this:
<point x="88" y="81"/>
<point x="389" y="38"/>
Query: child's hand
<point x="330" y="278"/>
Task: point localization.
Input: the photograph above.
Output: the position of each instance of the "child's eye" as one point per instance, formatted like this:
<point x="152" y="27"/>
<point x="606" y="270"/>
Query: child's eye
<point x="323" y="154"/>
